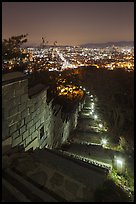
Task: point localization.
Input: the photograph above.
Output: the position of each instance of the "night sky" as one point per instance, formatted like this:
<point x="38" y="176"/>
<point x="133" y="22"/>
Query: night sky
<point x="69" y="23"/>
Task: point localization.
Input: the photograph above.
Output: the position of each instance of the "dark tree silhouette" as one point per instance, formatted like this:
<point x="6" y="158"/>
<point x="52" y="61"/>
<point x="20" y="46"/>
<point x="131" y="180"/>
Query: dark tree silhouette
<point x="11" y="51"/>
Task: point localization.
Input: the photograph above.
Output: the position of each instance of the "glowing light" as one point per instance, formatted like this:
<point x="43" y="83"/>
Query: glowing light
<point x="119" y="162"/>
<point x="95" y="116"/>
<point x="100" y="125"/>
<point x="104" y="141"/>
<point x="92" y="105"/>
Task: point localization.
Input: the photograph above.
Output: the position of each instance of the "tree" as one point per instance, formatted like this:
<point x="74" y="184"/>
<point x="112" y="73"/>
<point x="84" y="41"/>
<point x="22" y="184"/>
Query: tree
<point x="11" y="52"/>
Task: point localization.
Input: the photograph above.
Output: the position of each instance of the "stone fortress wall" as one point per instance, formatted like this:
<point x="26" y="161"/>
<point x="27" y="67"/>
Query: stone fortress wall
<point x="27" y="118"/>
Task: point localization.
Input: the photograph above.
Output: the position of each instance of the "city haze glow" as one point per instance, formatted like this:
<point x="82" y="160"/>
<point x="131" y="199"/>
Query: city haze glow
<point x="69" y="23"/>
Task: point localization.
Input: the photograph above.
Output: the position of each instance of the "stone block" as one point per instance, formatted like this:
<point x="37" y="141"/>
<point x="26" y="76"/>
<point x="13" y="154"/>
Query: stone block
<point x="36" y="105"/>
<point x="38" y="111"/>
<point x="24" y="113"/>
<point x="15" y="101"/>
<point x="39" y="102"/>
<point x="23" y="143"/>
<point x="8" y="94"/>
<point x="38" y="124"/>
<point x="22" y="129"/>
<point x="32" y="109"/>
<point x="42" y="108"/>
<point x="28" y="119"/>
<point x="15" y="134"/>
<point x="12" y="128"/>
<point x="20" y="91"/>
<point x="13" y="119"/>
<point x="34" y="134"/>
<point x="26" y="89"/>
<point x="34" y="114"/>
<point x="28" y="140"/>
<point x="29" y="103"/>
<point x="22" y="107"/>
<point x="23" y="83"/>
<point x="42" y="119"/>
<point x="25" y="134"/>
<point x="43" y="94"/>
<point x="35" y="119"/>
<point x="44" y="143"/>
<point x="29" y="124"/>
<point x="16" y="141"/>
<point x="32" y="129"/>
<point x="34" y="144"/>
<point x="20" y="123"/>
<point x="13" y="111"/>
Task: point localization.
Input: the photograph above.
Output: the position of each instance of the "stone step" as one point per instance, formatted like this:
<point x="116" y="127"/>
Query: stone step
<point x="32" y="192"/>
<point x="11" y="193"/>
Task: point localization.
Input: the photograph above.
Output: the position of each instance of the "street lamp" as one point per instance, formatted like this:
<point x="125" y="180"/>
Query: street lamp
<point x="104" y="142"/>
<point x="95" y="117"/>
<point x="120" y="164"/>
<point x="100" y="125"/>
<point x="92" y="105"/>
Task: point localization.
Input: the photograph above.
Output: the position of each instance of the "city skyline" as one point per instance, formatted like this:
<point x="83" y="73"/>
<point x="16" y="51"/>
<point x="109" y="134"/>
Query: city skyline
<point x="69" y="23"/>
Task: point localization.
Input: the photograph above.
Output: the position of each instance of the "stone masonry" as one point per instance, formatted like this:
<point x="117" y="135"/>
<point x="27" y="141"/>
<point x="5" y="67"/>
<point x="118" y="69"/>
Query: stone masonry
<point x="28" y="119"/>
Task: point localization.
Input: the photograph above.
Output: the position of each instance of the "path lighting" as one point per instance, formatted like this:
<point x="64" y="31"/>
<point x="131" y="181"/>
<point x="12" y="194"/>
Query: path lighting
<point x="104" y="141"/>
<point x="92" y="105"/>
<point x="91" y="96"/>
<point x="95" y="116"/>
<point x="91" y="112"/>
<point x="100" y="125"/>
<point x="84" y="89"/>
<point x="120" y="164"/>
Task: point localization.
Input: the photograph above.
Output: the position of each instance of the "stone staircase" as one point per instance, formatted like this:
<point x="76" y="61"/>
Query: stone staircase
<point x="18" y="188"/>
